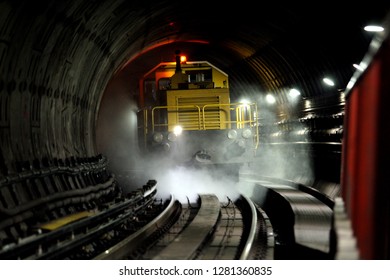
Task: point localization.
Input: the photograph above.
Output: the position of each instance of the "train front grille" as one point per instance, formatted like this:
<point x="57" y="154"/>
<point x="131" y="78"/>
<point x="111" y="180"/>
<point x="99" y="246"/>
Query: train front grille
<point x="192" y="119"/>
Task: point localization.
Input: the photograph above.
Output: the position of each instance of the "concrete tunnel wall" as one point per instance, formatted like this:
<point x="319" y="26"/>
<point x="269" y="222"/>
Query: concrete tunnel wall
<point x="55" y="63"/>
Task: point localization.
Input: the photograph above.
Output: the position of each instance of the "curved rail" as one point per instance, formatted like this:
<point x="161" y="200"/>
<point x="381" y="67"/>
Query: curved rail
<point x="252" y="232"/>
<point x="192" y="238"/>
<point x="123" y="248"/>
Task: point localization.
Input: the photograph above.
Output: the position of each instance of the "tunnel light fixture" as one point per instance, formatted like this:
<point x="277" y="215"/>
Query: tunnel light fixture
<point x="328" y="81"/>
<point x="270" y="98"/>
<point x="358" y="67"/>
<point x="351" y="82"/>
<point x="244" y="101"/>
<point x="374" y="28"/>
<point x="361" y="67"/>
<point x="294" y="93"/>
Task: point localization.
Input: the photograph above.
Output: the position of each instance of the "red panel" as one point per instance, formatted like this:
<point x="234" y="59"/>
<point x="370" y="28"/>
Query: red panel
<point x="365" y="181"/>
<point x="364" y="208"/>
<point x="350" y="143"/>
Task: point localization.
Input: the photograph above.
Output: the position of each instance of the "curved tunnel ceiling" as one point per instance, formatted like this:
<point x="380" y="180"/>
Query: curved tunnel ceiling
<point x="278" y="46"/>
<point x="266" y="49"/>
<point x="57" y="57"/>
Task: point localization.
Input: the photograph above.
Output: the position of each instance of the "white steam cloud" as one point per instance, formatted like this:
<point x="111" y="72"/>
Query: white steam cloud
<point x="187" y="183"/>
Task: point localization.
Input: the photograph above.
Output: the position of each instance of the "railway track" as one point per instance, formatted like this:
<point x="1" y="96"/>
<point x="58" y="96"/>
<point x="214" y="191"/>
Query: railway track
<point x="84" y="234"/>
<point x="277" y="221"/>
<point x="207" y="229"/>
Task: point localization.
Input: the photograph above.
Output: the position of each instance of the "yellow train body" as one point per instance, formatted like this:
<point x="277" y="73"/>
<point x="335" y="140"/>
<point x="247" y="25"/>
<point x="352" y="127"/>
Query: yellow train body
<point x="195" y="97"/>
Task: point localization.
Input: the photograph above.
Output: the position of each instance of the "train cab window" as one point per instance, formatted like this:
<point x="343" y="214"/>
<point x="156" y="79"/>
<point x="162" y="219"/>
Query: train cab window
<point x="150" y="91"/>
<point x="164" y="83"/>
<point x="199" y="76"/>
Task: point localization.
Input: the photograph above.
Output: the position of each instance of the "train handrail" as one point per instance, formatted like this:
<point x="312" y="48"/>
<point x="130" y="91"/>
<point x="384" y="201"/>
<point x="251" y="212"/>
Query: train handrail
<point x="202" y="116"/>
<point x="173" y="110"/>
<point x="249" y="119"/>
<point x="239" y="123"/>
<point x="247" y="113"/>
<point x="252" y="123"/>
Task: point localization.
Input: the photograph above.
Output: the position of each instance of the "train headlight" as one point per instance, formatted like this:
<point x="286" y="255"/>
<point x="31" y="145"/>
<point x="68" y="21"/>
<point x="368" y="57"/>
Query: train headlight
<point x="158" y="137"/>
<point x="232" y="134"/>
<point x="241" y="143"/>
<point x="177" y="130"/>
<point x="246" y="133"/>
<point x="172" y="136"/>
<point x="166" y="147"/>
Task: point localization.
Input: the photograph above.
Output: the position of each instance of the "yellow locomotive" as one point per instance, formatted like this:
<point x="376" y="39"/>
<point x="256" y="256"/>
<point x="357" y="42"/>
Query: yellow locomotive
<point x="187" y="116"/>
